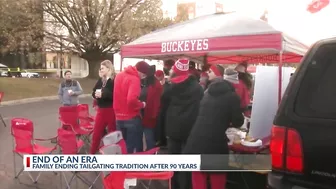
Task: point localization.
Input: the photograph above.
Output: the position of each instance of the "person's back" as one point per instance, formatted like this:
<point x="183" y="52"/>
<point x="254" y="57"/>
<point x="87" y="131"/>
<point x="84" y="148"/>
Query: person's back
<point x="185" y="95"/>
<point x="219" y="109"/>
<point x="243" y="93"/>
<point x="127" y="89"/>
<point x="127" y="105"/>
<point x="183" y="108"/>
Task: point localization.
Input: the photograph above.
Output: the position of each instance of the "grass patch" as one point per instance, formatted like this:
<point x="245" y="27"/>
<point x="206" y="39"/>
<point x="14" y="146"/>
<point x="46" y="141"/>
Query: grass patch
<point x="20" y="88"/>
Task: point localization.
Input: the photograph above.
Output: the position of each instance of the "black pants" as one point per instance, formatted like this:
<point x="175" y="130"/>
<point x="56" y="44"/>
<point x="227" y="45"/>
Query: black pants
<point x="160" y="135"/>
<point x="180" y="180"/>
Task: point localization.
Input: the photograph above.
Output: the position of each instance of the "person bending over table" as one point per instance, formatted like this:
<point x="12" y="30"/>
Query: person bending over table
<point x="219" y="109"/>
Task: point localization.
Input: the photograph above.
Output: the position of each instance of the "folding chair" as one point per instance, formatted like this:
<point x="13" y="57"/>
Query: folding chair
<point x="2" y="120"/>
<point x="69" y="144"/>
<point x="115" y="138"/>
<point x="24" y="143"/>
<point x="69" y="121"/>
<point x="115" y="180"/>
<point x="68" y="116"/>
<point x="84" y="113"/>
<point x="84" y="117"/>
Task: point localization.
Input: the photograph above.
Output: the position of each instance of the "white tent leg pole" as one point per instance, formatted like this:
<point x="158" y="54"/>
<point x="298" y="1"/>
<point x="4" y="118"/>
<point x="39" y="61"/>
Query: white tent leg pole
<point x="280" y="77"/>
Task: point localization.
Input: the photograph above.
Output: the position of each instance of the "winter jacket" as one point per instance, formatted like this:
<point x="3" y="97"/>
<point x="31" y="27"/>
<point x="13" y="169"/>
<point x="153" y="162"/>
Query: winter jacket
<point x="183" y="108"/>
<point x="219" y="110"/>
<point x="152" y="109"/>
<point x="243" y="93"/>
<point x="106" y="100"/>
<point x="63" y="94"/>
<point x="126" y="103"/>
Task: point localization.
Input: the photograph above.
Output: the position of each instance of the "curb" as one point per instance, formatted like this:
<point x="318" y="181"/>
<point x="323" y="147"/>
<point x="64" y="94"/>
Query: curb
<point x="36" y="99"/>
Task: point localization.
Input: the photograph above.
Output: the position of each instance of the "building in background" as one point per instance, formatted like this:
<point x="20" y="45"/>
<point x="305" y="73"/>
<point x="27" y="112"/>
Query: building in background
<point x="195" y="9"/>
<point x="57" y="52"/>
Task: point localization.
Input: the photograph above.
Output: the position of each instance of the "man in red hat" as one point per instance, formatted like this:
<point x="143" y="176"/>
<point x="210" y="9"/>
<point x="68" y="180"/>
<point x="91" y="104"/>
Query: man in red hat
<point x="185" y="95"/>
<point x="127" y="105"/>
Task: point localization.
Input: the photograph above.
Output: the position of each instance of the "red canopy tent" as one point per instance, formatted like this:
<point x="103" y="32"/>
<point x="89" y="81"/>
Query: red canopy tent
<point x="218" y="39"/>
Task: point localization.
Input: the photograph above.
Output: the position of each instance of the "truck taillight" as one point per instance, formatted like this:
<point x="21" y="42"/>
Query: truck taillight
<point x="286" y="149"/>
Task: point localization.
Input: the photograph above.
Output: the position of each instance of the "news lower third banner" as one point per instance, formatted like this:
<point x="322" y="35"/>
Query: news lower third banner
<point x="232" y="162"/>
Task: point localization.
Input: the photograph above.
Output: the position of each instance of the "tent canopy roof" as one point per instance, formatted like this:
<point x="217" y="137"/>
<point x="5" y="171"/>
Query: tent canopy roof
<point x="209" y="26"/>
<point x="217" y="36"/>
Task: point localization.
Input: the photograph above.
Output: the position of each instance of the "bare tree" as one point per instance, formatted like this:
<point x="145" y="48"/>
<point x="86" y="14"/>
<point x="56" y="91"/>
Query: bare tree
<point x="93" y="28"/>
<point x="21" y="25"/>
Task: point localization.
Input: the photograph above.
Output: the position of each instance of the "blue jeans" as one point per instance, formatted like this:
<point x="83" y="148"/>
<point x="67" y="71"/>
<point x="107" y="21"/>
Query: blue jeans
<point x="150" y="137"/>
<point x="132" y="133"/>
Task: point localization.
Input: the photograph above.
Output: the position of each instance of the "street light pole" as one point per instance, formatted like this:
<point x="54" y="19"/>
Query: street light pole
<point x="61" y="59"/>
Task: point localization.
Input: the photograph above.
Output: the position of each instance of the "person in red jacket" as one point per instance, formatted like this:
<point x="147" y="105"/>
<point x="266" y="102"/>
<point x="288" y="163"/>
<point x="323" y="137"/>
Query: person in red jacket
<point x="127" y="105"/>
<point x="151" y="91"/>
<point x="159" y="74"/>
<point x="103" y="95"/>
<point x="231" y="75"/>
<point x="244" y="76"/>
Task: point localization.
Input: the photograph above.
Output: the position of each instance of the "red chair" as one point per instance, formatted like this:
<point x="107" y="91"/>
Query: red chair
<point x="84" y="117"/>
<point x="24" y="143"/>
<point x="113" y="180"/>
<point x="84" y="112"/>
<point x="2" y="120"/>
<point x="69" y="144"/>
<point x="115" y="138"/>
<point x="68" y="116"/>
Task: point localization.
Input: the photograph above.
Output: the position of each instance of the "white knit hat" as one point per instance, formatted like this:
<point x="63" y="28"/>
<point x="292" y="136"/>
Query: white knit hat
<point x="231" y="75"/>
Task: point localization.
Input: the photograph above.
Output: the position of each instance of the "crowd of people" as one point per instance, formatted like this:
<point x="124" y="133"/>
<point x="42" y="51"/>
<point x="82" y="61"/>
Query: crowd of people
<point x="181" y="108"/>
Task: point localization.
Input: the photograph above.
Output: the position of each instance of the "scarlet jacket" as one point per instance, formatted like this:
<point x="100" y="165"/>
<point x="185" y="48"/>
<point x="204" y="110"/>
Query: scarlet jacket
<point x="243" y="93"/>
<point x="153" y="102"/>
<point x="126" y="103"/>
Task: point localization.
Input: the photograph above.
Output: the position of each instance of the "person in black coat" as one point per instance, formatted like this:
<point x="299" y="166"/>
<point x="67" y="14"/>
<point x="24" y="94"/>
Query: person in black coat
<point x="161" y="139"/>
<point x="219" y="110"/>
<point x="185" y="95"/>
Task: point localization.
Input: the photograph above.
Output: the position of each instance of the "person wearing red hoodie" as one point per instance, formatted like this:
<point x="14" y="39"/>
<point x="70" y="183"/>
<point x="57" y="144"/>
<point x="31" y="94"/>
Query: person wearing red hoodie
<point x="127" y="105"/>
<point x="151" y="91"/>
<point x="231" y="75"/>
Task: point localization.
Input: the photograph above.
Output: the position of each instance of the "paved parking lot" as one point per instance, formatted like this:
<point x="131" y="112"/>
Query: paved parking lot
<point x="45" y="117"/>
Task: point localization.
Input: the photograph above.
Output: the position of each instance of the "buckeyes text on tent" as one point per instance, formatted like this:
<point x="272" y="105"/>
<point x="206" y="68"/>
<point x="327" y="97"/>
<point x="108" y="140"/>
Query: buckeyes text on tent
<point x="185" y="45"/>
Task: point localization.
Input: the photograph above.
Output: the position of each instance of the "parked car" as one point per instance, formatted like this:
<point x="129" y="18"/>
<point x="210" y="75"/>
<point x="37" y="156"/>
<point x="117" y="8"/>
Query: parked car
<point x="3" y="73"/>
<point x="3" y="70"/>
<point x="27" y="74"/>
<point x="304" y="132"/>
